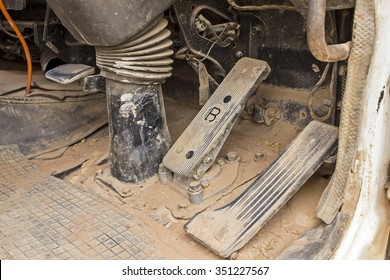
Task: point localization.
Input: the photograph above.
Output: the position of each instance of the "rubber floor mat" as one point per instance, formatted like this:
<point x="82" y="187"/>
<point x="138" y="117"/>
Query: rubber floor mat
<point x="42" y="217"/>
<point x="40" y="124"/>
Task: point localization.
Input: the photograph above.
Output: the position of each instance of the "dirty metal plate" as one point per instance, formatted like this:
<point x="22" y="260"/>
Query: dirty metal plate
<point x="209" y="129"/>
<point x="13" y="80"/>
<point x="42" y="217"/>
<point x="68" y="73"/>
<point x="227" y="229"/>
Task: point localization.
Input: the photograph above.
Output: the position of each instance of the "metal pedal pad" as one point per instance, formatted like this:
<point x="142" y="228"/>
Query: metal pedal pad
<point x="68" y="73"/>
<point x="198" y="146"/>
<point x="227" y="229"/>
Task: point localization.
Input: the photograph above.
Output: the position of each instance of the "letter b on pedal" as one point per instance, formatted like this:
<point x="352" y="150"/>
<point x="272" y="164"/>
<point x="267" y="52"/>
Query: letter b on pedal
<point x="212" y="114"/>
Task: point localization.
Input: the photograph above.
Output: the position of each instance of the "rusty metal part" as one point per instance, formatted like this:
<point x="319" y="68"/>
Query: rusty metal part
<point x="145" y="57"/>
<point x="315" y="26"/>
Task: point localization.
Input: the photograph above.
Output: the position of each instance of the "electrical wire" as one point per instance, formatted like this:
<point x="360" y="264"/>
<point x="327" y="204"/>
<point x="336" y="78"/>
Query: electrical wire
<point x="2" y="28"/>
<point x="315" y="89"/>
<point x="24" y="45"/>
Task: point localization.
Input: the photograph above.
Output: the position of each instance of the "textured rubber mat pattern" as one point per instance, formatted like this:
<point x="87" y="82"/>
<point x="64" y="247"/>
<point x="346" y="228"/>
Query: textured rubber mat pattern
<point x="42" y="217"/>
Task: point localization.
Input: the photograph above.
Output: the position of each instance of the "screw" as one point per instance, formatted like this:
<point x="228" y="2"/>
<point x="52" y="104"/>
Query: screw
<point x="259" y="156"/>
<point x="162" y="168"/>
<point x="239" y="54"/>
<point x="231" y="156"/>
<point x="256" y="29"/>
<point x="234" y="256"/>
<point x="182" y="207"/>
<point x="205" y="184"/>
<point x="183" y="18"/>
<point x="327" y="102"/>
<point x="208" y="160"/>
<point x="302" y="115"/>
<point x="221" y="162"/>
<point x="199" y="173"/>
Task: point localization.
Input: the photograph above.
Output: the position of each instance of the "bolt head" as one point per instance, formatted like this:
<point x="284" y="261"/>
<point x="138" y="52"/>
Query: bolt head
<point x="208" y="160"/>
<point x="234" y="256"/>
<point x="198" y="174"/>
<point x="195" y="187"/>
<point x="231" y="156"/>
<point x="239" y="54"/>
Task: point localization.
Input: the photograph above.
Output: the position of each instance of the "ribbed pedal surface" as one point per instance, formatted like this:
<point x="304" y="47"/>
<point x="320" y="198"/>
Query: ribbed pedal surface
<point x="227" y="229"/>
<point x="214" y="121"/>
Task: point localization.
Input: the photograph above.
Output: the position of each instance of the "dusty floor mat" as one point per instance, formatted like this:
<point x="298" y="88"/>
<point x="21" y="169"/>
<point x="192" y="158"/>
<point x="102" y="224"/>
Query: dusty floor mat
<point x="42" y="217"/>
<point x="39" y="124"/>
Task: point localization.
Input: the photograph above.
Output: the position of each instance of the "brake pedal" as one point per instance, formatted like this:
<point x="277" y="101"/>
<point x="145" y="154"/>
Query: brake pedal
<point x="227" y="229"/>
<point x="197" y="148"/>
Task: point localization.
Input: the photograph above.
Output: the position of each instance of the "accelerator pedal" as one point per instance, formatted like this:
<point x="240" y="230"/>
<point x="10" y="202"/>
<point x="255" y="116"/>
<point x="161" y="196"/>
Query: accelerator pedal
<point x="227" y="229"/>
<point x="68" y="73"/>
<point x="198" y="146"/>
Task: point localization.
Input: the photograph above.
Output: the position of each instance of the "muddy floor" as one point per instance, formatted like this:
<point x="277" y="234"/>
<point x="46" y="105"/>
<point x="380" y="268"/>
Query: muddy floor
<point x="165" y="211"/>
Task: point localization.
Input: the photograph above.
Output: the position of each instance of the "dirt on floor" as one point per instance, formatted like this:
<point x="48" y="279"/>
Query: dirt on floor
<point x="165" y="211"/>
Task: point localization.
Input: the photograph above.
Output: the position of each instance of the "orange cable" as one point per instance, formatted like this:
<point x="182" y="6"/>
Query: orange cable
<point x="24" y="44"/>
